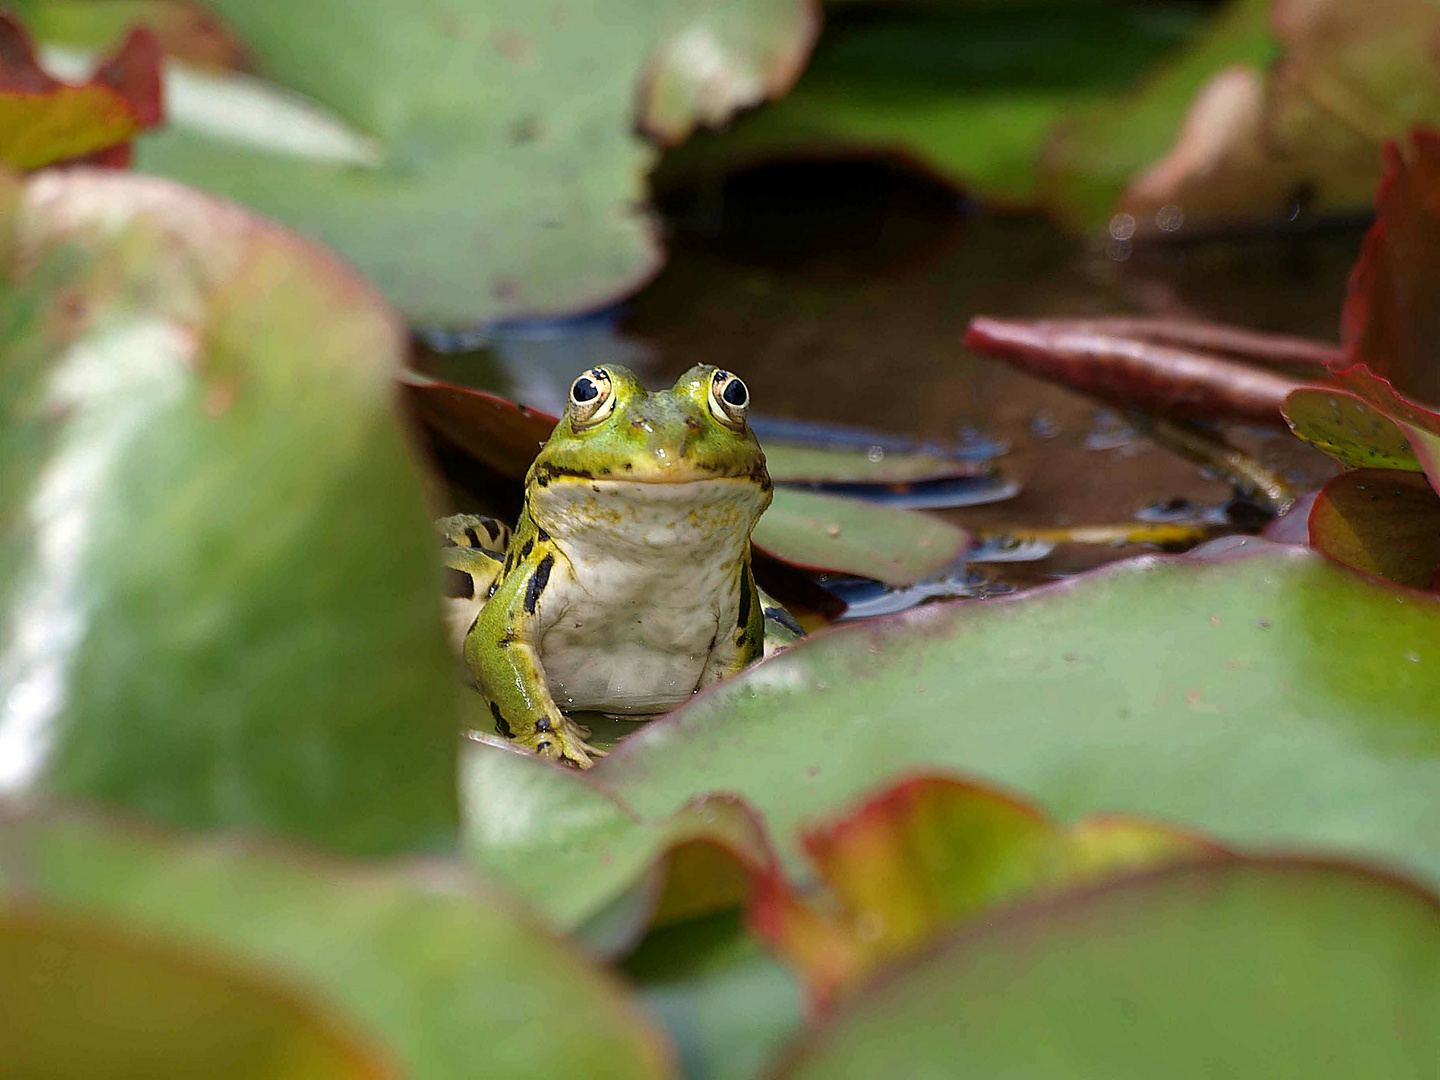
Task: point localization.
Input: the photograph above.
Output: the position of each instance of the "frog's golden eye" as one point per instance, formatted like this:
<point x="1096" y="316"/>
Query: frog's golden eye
<point x="729" y="399"/>
<point x="592" y="397"/>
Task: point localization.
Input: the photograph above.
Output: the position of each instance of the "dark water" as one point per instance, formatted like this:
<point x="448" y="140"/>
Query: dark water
<point x="842" y="292"/>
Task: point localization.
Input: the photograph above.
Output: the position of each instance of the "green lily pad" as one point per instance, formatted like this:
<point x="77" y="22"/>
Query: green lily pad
<point x="510" y="175"/>
<point x="1349" y="429"/>
<point x="1260" y="693"/>
<point x="217" y="580"/>
<point x="447" y="975"/>
<point x="84" y="999"/>
<point x="1257" y="971"/>
<point x="830" y="533"/>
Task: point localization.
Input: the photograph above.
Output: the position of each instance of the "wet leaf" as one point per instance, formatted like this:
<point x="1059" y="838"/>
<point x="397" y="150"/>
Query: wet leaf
<point x="218" y="583"/>
<point x="44" y="121"/>
<point x="1281" y="970"/>
<point x="912" y="862"/>
<point x="1133" y="372"/>
<point x="1258" y="693"/>
<point x="801" y="464"/>
<point x="1348" y="429"/>
<point x="537" y="110"/>
<point x="830" y="533"/>
<point x="86" y="999"/>
<point x="448" y="975"/>
<point x="1381" y="522"/>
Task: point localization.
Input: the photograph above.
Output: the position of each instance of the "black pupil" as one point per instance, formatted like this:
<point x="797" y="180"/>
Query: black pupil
<point x="584" y="390"/>
<point x="735" y="394"/>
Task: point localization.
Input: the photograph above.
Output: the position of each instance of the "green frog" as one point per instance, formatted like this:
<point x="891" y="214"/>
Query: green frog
<point x="626" y="586"/>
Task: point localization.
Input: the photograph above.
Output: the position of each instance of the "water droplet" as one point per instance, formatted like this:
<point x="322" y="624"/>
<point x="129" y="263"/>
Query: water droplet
<point x="875" y="453"/>
<point x="1169" y="217"/>
<point x="1122" y="226"/>
<point x="1413" y="657"/>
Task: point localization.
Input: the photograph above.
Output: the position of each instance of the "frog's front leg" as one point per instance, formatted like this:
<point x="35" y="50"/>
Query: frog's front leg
<point x="738" y="643"/>
<point x="502" y="649"/>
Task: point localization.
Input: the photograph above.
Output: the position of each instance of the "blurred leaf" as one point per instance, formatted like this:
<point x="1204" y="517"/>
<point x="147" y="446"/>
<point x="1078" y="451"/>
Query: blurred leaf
<point x="218" y="582"/>
<point x="729" y="1005"/>
<point x="185" y="29"/>
<point x="44" y="121"/>
<point x="827" y="532"/>
<point x="1274" y="970"/>
<point x="85" y="1000"/>
<point x="969" y="92"/>
<point x="450" y="976"/>
<point x="1389" y="323"/>
<point x="1098" y="150"/>
<point x="798" y="463"/>
<point x="534" y="106"/>
<point x="1348" y="429"/>
<point x="1380" y="522"/>
<point x="1259" y="693"/>
<point x="570" y="849"/>
<point x="1306" y="133"/>
<point x="928" y="852"/>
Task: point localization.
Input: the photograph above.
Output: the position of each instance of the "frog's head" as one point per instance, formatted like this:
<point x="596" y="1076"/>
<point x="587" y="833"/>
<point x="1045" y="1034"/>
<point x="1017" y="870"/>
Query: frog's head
<point x="614" y="429"/>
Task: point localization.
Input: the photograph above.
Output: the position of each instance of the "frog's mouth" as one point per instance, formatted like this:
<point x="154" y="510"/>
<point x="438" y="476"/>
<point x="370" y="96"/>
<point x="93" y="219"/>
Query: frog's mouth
<point x="678" y="472"/>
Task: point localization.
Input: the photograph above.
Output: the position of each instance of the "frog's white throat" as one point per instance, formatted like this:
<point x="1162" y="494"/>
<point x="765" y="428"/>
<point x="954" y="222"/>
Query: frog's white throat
<point x="647" y="582"/>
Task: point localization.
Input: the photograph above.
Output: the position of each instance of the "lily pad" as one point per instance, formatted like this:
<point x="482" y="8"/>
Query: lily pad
<point x="1349" y="429"/>
<point x="44" y="121"/>
<point x="533" y="106"/>
<point x="1274" y="970"/>
<point x="971" y="94"/>
<point x="447" y="975"/>
<point x="218" y="584"/>
<point x="1381" y="522"/>
<point x="570" y="849"/>
<point x="928" y="853"/>
<point x="1257" y="692"/>
<point x="85" y="999"/>
<point x="830" y="533"/>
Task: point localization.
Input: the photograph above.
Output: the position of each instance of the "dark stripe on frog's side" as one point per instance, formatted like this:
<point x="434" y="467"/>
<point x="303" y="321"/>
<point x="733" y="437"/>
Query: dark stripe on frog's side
<point x="501" y="724"/>
<point x="785" y="619"/>
<point x="744" y="619"/>
<point x="541" y="535"/>
<point x="525" y="551"/>
<point x="473" y="536"/>
<point x="493" y="528"/>
<point x="536" y="585"/>
<point x="458" y="584"/>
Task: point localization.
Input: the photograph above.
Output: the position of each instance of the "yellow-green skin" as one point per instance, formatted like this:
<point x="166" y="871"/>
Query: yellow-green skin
<point x="627" y="585"/>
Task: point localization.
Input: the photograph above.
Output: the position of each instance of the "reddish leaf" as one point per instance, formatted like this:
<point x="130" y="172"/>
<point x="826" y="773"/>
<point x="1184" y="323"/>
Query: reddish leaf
<point x="44" y="121"/>
<point x="1390" y="322"/>
<point x="927" y="853"/>
<point x="1136" y="373"/>
<point x="498" y="433"/>
<point x="1382" y="522"/>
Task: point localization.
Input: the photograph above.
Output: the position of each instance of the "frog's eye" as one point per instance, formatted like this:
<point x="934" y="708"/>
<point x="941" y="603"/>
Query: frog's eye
<point x="592" y="397"/>
<point x="729" y="399"/>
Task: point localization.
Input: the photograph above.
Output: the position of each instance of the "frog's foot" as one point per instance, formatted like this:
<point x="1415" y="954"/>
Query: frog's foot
<point x="564" y="742"/>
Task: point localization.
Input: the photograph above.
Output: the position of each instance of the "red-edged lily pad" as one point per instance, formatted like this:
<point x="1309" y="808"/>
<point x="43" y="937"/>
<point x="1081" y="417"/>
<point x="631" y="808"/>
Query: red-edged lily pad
<point x="911" y="863"/>
<point x="1383" y="522"/>
<point x="44" y="121"/>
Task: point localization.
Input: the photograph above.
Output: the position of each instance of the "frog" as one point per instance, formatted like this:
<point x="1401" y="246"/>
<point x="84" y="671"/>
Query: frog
<point x="626" y="586"/>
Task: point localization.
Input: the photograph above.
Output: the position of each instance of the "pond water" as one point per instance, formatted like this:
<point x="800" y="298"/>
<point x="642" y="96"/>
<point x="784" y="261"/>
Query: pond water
<point x="842" y="291"/>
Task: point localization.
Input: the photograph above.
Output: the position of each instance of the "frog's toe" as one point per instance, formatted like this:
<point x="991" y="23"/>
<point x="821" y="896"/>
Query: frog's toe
<point x="566" y="743"/>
